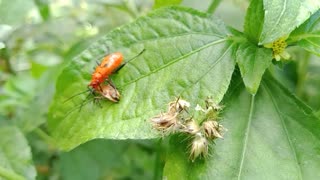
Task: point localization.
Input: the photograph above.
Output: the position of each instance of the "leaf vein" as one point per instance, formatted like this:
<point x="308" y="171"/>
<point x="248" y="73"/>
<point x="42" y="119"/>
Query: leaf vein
<point x="174" y="61"/>
<point x="312" y="42"/>
<point x="280" y="16"/>
<point x="211" y="67"/>
<point x="264" y="86"/>
<point x="245" y="144"/>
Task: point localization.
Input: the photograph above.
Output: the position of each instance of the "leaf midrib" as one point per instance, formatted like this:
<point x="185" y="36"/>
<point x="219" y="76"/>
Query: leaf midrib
<point x="311" y="42"/>
<point x="174" y="61"/>
<point x="304" y="36"/>
<point x="173" y="36"/>
<point x="244" y="148"/>
<point x="280" y="16"/>
<point x="210" y="68"/>
<point x="80" y="68"/>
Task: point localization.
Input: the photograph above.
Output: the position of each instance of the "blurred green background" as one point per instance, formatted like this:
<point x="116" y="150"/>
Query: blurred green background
<point x="39" y="37"/>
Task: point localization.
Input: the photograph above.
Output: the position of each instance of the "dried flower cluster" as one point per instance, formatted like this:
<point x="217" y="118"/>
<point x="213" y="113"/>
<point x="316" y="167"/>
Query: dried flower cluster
<point x="202" y="126"/>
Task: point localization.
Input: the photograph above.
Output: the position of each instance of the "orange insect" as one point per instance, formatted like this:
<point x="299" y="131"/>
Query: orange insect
<point x="101" y="85"/>
<point x="102" y="72"/>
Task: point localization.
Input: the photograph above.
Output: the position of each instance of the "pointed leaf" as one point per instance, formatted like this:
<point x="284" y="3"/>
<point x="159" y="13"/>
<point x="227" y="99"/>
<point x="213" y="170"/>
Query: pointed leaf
<point x="254" y="20"/>
<point x="187" y="54"/>
<point x="283" y="16"/>
<point x="15" y="155"/>
<point x="308" y="34"/>
<point x="253" y="61"/>
<point x="271" y="135"/>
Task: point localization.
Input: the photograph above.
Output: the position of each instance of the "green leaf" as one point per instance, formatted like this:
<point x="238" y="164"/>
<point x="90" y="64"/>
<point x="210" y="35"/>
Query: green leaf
<point x="253" y="61"/>
<point x="254" y="20"/>
<point x="187" y="54"/>
<point x="308" y="34"/>
<point x="101" y="159"/>
<point x="43" y="8"/>
<point x="266" y="139"/>
<point x="283" y="16"/>
<point x="15" y="155"/>
<point x="30" y="118"/>
<point x="162" y="3"/>
<point x="14" y="12"/>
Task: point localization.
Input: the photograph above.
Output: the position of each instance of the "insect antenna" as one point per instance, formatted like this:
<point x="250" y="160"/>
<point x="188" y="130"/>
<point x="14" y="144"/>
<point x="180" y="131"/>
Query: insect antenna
<point x="76" y="95"/>
<point x="130" y="60"/>
<point x="83" y="103"/>
<point x="143" y="50"/>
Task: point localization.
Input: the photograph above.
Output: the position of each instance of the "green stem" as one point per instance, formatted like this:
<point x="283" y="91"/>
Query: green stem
<point x="296" y="38"/>
<point x="10" y="175"/>
<point x="43" y="135"/>
<point x="213" y="6"/>
<point x="302" y="74"/>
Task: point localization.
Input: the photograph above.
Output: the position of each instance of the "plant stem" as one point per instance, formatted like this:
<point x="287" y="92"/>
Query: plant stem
<point x="213" y="6"/>
<point x="302" y="74"/>
<point x="10" y="175"/>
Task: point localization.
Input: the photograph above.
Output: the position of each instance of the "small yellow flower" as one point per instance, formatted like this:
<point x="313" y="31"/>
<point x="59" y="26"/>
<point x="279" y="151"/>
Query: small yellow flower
<point x="279" y="48"/>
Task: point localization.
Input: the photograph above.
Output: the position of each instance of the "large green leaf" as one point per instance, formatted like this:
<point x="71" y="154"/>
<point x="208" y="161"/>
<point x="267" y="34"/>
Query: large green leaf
<point x="308" y="34"/>
<point x="253" y="61"/>
<point x="15" y="155"/>
<point x="187" y="54"/>
<point x="283" y="16"/>
<point x="271" y="135"/>
<point x="254" y="20"/>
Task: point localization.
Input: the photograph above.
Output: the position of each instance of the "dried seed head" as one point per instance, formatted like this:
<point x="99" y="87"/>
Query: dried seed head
<point x="178" y="105"/>
<point x="165" y="122"/>
<point x="199" y="108"/>
<point x="191" y="127"/>
<point x="212" y="129"/>
<point x="212" y="113"/>
<point x="211" y="103"/>
<point x="209" y="112"/>
<point x="199" y="146"/>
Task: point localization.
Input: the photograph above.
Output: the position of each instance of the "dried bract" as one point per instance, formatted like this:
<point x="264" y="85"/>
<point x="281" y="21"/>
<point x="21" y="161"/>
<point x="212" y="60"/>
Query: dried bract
<point x="215" y="106"/>
<point x="199" y="146"/>
<point x="165" y="122"/>
<point x="212" y="129"/>
<point x="191" y="127"/>
<point x="178" y="105"/>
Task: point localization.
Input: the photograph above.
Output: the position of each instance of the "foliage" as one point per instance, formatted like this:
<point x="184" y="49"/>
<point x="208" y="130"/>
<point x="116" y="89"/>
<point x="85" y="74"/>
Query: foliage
<point x="48" y="51"/>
